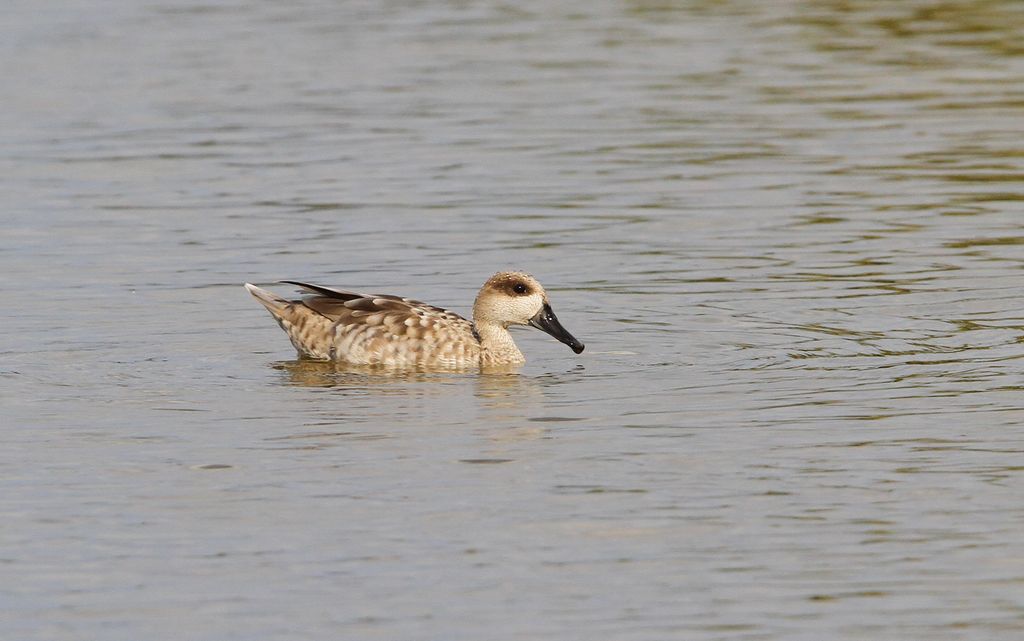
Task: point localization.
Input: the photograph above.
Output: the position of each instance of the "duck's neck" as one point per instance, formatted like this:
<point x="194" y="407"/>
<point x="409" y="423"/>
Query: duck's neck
<point x="496" y="345"/>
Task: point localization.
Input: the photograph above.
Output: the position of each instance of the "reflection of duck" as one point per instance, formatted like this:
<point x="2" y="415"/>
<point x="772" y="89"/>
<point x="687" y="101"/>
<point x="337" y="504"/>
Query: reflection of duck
<point x="390" y="331"/>
<point x="508" y="394"/>
<point x="500" y="391"/>
<point x="306" y="372"/>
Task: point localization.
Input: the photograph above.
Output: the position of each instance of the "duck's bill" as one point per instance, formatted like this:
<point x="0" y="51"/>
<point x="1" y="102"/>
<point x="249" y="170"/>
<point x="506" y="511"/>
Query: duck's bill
<point x="546" y="321"/>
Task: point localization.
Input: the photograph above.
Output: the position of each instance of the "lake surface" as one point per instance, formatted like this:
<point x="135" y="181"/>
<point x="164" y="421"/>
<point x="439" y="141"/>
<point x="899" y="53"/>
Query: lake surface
<point x="791" y="235"/>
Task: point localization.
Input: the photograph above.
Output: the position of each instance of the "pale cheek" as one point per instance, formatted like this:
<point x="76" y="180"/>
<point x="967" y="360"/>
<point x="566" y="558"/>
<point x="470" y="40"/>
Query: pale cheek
<point x="529" y="308"/>
<point x="516" y="313"/>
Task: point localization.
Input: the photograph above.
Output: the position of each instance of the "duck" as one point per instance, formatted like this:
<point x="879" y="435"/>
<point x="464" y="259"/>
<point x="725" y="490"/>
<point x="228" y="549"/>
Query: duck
<point x="392" y="331"/>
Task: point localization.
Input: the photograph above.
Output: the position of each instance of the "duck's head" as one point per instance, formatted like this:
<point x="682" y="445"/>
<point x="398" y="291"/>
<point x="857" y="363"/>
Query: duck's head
<point x="516" y="298"/>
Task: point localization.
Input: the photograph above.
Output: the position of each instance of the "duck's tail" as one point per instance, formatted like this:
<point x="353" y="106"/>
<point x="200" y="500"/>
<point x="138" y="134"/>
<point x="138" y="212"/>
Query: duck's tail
<point x="274" y="303"/>
<point x="311" y="333"/>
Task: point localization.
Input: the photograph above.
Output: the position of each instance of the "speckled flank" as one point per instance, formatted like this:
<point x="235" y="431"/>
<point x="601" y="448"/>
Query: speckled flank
<point x="400" y="332"/>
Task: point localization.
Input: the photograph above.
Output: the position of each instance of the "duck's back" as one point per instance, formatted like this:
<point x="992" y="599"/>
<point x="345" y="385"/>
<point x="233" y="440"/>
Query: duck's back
<point x="377" y="330"/>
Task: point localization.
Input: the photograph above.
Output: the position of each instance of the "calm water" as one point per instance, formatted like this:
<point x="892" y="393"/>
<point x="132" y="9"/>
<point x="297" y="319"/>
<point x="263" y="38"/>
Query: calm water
<point x="790" y="233"/>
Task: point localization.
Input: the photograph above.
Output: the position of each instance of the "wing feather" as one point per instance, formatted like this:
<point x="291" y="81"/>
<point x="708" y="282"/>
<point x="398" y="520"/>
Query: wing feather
<point x="385" y="314"/>
<point x="340" y="294"/>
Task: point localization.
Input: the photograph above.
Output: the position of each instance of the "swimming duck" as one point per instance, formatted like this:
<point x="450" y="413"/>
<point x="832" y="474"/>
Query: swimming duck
<point x="360" y="329"/>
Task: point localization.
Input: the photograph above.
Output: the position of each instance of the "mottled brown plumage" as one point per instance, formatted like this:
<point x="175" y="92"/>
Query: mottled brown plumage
<point x="386" y="330"/>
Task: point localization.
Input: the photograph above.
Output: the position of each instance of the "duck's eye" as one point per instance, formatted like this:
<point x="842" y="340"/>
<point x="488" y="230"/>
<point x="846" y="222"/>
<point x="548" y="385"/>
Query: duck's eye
<point x="519" y="288"/>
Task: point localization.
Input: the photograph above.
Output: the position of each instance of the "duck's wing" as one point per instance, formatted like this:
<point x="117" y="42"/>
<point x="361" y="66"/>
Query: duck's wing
<point x="325" y="291"/>
<point x="389" y="314"/>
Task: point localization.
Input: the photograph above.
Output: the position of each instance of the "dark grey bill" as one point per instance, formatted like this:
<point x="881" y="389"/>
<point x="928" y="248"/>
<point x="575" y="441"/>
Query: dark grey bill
<point x="546" y="321"/>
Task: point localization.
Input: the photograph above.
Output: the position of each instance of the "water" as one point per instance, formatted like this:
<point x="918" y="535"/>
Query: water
<point x="789" y="234"/>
